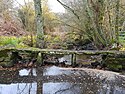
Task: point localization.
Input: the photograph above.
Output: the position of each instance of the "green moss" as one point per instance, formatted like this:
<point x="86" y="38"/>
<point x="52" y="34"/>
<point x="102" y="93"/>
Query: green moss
<point x="1" y="59"/>
<point x="6" y="64"/>
<point x="40" y="59"/>
<point x="115" y="64"/>
<point x="3" y="54"/>
<point x="19" y="42"/>
<point x="115" y="67"/>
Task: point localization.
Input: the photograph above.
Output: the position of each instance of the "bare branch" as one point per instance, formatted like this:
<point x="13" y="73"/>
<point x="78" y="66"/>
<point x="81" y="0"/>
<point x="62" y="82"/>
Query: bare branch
<point x="18" y="3"/>
<point x="67" y="7"/>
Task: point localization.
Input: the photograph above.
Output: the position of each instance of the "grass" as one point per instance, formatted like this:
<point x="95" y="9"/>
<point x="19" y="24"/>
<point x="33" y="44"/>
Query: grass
<point x="25" y="41"/>
<point x="14" y="41"/>
<point x="122" y="42"/>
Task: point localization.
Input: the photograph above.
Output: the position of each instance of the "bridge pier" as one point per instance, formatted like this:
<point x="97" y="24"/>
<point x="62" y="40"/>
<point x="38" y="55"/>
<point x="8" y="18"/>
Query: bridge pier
<point x="4" y="55"/>
<point x="73" y="59"/>
<point x="40" y="59"/>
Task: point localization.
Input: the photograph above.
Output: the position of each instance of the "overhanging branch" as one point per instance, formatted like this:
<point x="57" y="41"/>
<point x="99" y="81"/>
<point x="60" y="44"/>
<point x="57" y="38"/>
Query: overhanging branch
<point x="67" y="7"/>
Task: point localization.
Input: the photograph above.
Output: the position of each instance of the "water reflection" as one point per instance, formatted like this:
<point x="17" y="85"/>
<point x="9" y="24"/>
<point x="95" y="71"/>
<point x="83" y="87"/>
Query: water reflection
<point x="60" y="88"/>
<point x="79" y="88"/>
<point x="26" y="72"/>
<point x="18" y="88"/>
<point x="108" y="89"/>
<point x="55" y="71"/>
<point x="55" y="80"/>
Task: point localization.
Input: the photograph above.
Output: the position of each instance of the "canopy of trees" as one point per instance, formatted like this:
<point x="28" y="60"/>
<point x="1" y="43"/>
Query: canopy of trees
<point x="98" y="22"/>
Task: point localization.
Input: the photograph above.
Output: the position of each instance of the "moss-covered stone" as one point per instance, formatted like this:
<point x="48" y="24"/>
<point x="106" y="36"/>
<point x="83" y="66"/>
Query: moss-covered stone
<point x="15" y="57"/>
<point x="40" y="59"/>
<point x="115" y="64"/>
<point x="2" y="59"/>
<point x="4" y="53"/>
<point x="6" y="64"/>
<point x="115" y="67"/>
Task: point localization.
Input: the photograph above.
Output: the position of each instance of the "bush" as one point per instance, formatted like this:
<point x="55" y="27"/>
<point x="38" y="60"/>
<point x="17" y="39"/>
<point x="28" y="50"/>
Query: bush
<point x="4" y="41"/>
<point x="13" y="41"/>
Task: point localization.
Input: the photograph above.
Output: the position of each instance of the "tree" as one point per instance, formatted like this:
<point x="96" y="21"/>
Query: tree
<point x="39" y="24"/>
<point x="117" y="21"/>
<point x="26" y="14"/>
<point x="50" y="19"/>
<point x="97" y="20"/>
<point x="6" y="9"/>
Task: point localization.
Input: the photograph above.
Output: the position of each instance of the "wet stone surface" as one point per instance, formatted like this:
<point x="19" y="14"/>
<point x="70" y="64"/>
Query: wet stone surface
<point x="57" y="80"/>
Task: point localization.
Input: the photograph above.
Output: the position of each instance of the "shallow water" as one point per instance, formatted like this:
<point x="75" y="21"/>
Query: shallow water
<point x="55" y="80"/>
<point x="18" y="88"/>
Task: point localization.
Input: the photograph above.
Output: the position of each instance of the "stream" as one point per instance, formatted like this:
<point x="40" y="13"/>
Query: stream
<point x="50" y="79"/>
<point x="59" y="80"/>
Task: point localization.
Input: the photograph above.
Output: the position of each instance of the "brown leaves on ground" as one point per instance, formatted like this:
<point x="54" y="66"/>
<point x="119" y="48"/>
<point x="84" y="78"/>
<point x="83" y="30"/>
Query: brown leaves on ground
<point x="10" y="29"/>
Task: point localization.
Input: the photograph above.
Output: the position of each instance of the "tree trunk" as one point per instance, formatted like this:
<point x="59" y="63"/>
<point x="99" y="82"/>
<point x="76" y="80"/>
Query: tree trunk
<point x="117" y="22"/>
<point x="39" y="24"/>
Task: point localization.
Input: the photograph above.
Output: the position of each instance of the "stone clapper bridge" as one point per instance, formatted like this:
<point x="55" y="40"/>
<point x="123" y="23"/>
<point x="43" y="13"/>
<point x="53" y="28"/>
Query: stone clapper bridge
<point x="12" y="76"/>
<point x="40" y="53"/>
